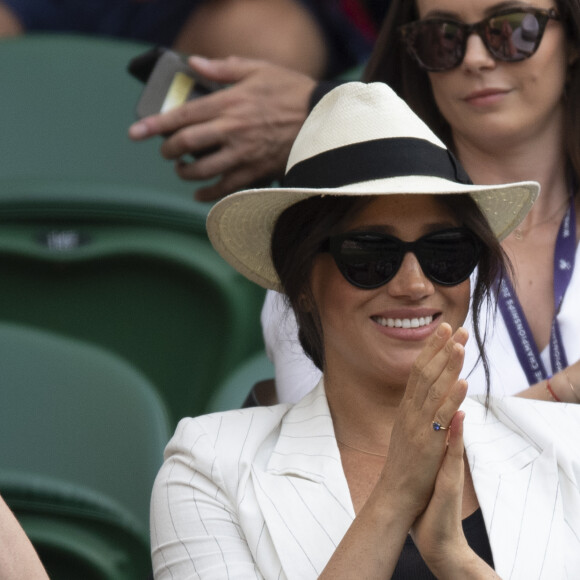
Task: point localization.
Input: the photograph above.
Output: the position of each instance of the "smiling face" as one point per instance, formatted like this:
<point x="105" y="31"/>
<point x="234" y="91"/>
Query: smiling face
<point x="376" y="334"/>
<point x="491" y="103"/>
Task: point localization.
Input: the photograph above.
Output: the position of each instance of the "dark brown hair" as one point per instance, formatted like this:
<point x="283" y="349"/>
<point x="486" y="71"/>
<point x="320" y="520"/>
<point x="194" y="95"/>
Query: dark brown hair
<point x="390" y="63"/>
<point x="301" y="230"/>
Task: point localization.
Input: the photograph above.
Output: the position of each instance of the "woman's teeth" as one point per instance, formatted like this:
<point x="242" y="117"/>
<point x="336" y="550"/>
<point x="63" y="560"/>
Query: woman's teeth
<point x="403" y="322"/>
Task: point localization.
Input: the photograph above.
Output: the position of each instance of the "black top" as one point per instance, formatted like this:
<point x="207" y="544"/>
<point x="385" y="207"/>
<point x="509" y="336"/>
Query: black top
<point x="411" y="566"/>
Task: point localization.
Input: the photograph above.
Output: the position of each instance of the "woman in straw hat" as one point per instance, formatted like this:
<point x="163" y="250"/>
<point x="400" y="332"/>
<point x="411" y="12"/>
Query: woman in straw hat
<point x="368" y="476"/>
<point x="503" y="96"/>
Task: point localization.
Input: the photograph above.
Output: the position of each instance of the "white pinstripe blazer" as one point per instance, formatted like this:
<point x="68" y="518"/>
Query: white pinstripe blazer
<point x="260" y="493"/>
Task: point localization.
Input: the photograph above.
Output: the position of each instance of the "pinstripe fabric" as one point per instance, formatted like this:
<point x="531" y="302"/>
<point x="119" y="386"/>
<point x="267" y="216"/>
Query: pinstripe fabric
<point x="260" y="493"/>
<point x="525" y="462"/>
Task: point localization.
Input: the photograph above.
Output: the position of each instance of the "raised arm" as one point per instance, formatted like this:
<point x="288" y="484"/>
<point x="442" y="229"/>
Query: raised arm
<point x="563" y="387"/>
<point x="18" y="558"/>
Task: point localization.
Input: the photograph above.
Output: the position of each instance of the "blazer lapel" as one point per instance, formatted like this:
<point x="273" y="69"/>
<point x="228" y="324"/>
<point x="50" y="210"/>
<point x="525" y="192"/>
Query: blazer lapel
<point x="517" y="479"/>
<point x="524" y="468"/>
<point x="302" y="493"/>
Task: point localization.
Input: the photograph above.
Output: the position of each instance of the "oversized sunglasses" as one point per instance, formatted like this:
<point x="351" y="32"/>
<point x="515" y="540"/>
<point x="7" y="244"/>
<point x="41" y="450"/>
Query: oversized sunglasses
<point x="511" y="35"/>
<point x="368" y="259"/>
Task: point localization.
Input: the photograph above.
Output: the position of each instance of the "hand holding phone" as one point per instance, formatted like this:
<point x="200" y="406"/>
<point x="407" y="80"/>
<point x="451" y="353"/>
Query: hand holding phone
<point x="250" y="125"/>
<point x="169" y="81"/>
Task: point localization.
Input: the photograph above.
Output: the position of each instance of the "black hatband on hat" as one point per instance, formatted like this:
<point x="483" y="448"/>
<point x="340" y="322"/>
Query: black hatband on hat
<point x="375" y="159"/>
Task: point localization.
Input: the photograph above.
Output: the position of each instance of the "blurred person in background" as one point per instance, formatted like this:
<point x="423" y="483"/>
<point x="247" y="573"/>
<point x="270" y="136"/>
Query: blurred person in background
<point x="249" y="127"/>
<point x="317" y="37"/>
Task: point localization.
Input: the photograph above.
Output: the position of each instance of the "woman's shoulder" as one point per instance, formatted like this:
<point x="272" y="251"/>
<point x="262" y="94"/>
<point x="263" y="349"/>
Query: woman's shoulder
<point x="223" y="447"/>
<point x="224" y="427"/>
<point x="243" y="433"/>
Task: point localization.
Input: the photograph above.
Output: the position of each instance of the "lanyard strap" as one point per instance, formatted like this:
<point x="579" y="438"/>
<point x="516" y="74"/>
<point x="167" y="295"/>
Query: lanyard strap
<point x="515" y="319"/>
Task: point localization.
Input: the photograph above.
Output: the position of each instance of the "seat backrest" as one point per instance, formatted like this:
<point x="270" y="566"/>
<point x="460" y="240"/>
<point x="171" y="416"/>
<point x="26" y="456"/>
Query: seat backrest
<point x="66" y="105"/>
<point x="64" y="149"/>
<point x="79" y="414"/>
<point x="163" y="300"/>
<point x="99" y="239"/>
<point x="77" y="532"/>
<point x="249" y="384"/>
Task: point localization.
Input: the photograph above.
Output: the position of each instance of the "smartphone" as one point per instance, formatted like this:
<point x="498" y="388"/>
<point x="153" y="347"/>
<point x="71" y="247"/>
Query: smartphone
<point x="169" y="81"/>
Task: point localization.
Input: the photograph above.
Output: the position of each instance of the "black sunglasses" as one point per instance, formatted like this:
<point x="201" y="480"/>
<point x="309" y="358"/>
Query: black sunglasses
<point x="511" y="35"/>
<point x="368" y="259"/>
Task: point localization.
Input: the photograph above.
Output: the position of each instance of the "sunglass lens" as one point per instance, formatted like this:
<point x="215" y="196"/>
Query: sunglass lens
<point x="437" y="44"/>
<point x="514" y="36"/>
<point x="368" y="261"/>
<point x="448" y="258"/>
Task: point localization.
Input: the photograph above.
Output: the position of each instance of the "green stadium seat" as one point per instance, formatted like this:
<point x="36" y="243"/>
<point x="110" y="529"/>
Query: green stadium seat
<point x="78" y="533"/>
<point x="99" y="239"/>
<point x="79" y="414"/>
<point x="233" y="391"/>
<point x="162" y="300"/>
<point x="66" y="104"/>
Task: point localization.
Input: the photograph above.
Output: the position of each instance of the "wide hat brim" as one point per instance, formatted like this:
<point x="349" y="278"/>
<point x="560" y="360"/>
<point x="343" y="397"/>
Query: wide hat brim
<point x="240" y="226"/>
<point x="360" y="139"/>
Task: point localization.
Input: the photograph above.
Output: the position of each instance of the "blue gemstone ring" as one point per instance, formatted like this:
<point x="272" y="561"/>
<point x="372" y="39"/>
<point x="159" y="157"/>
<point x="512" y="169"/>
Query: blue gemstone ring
<point x="438" y="427"/>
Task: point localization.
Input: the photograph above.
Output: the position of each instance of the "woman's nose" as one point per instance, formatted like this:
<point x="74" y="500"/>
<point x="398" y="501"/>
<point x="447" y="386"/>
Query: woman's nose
<point x="476" y="54"/>
<point x="410" y="281"/>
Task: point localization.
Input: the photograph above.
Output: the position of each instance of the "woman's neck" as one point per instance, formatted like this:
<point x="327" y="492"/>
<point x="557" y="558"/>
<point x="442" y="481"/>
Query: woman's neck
<point x="542" y="161"/>
<point x="363" y="414"/>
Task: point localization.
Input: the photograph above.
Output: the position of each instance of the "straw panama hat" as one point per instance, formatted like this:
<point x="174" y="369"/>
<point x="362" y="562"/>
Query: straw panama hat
<point x="360" y="139"/>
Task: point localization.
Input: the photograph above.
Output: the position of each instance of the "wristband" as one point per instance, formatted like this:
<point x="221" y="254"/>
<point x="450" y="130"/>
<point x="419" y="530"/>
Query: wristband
<point x="551" y="391"/>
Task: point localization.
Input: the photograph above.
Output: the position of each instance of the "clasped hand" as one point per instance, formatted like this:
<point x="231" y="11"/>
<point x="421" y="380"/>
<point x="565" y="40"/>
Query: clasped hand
<point x="425" y="467"/>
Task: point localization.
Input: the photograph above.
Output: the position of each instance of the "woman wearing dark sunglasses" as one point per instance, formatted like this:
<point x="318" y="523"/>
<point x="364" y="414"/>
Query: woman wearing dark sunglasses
<point x="507" y="105"/>
<point x="499" y="83"/>
<point x="373" y="236"/>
